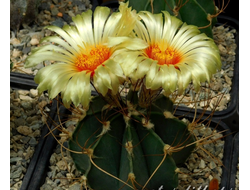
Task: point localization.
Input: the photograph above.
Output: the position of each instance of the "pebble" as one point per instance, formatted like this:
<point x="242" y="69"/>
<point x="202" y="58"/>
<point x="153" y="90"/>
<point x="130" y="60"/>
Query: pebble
<point x="34" y="41"/>
<point x="32" y="141"/>
<point x="58" y="22"/>
<point x="16" y="53"/>
<point x="33" y="93"/>
<point x="25" y="97"/>
<point x="26" y="50"/>
<point x="212" y="165"/>
<point x="61" y="165"/>
<point x="15" y="41"/>
<point x="202" y="164"/>
<point x="75" y="186"/>
<point x="24" y="130"/>
<point x="26" y="105"/>
<point x="16" y="174"/>
<point x="15" y="159"/>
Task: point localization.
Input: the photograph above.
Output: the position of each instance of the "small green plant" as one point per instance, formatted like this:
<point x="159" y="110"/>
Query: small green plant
<point x="132" y="141"/>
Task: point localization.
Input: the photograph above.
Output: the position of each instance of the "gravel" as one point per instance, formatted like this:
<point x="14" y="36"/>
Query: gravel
<point x="25" y="130"/>
<point x="201" y="168"/>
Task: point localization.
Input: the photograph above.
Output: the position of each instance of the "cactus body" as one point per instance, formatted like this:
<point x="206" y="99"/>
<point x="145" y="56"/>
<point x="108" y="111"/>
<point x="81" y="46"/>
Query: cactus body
<point x="193" y="12"/>
<point x="129" y="154"/>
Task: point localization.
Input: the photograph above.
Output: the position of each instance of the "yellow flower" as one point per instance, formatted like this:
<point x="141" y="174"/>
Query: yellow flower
<point x="177" y="53"/>
<point x="84" y="54"/>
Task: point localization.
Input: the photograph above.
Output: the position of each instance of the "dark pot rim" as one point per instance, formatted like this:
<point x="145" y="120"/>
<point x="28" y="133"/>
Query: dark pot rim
<point x="235" y="161"/>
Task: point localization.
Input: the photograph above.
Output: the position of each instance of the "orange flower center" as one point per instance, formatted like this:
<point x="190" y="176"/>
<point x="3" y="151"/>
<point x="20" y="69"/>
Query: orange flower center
<point x="90" y="61"/>
<point x="167" y="57"/>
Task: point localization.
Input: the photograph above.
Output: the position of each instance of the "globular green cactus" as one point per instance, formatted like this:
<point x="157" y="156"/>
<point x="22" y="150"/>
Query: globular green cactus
<point x="201" y="13"/>
<point x="132" y="147"/>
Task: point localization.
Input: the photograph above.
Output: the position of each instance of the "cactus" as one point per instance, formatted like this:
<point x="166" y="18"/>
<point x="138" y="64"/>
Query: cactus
<point x="201" y="13"/>
<point x="131" y="142"/>
<point x="124" y="149"/>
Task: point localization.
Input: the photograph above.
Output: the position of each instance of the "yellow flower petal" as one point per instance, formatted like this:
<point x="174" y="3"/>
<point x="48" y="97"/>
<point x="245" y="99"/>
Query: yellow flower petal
<point x="111" y="26"/>
<point x="59" y="41"/>
<point x="102" y="73"/>
<point x="154" y="28"/>
<point x="143" y="68"/>
<point x="127" y="42"/>
<point x="48" y="77"/>
<point x="73" y="33"/>
<point x="78" y="90"/>
<point x="151" y="74"/>
<point x="98" y="83"/>
<point x="128" y="61"/>
<point x="171" y="26"/>
<point x="128" y="19"/>
<point x="33" y="60"/>
<point x="157" y="81"/>
<point x="100" y="16"/>
<point x="169" y="79"/>
<point x="64" y="35"/>
<point x="83" y="23"/>
<point x="114" y="67"/>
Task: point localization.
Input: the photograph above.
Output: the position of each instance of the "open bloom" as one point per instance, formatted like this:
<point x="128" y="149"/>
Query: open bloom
<point x="83" y="55"/>
<point x="177" y="53"/>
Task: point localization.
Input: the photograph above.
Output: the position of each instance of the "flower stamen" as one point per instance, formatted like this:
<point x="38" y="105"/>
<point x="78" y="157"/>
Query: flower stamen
<point x="90" y="61"/>
<point x="169" y="56"/>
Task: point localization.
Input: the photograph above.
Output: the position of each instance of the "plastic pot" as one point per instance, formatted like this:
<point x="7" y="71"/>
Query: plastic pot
<point x="235" y="161"/>
<point x="22" y="81"/>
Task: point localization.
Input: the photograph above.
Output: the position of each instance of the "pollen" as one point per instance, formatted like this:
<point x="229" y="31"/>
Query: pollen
<point x="90" y="60"/>
<point x="169" y="56"/>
